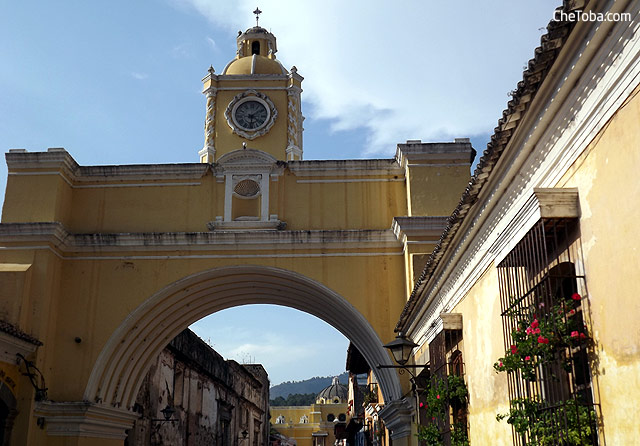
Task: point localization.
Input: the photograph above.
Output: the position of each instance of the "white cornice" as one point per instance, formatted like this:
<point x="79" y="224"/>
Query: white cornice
<point x="433" y="153"/>
<point x="398" y="417"/>
<point x="245" y="225"/>
<point x="54" y="158"/>
<point x="84" y="419"/>
<point x="251" y="77"/>
<point x="585" y="100"/>
<point x="408" y="228"/>
<point x="543" y="203"/>
<point x="22" y="235"/>
<point x="60" y="162"/>
<point x="242" y="157"/>
<point x="336" y="168"/>
<point x="10" y="346"/>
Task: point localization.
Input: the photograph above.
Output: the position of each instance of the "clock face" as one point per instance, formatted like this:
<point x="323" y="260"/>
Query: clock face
<point x="251" y="115"/>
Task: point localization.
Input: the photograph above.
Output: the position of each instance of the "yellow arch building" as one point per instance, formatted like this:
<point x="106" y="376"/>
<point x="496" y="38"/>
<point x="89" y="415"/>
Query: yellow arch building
<point x="101" y="266"/>
<point x="315" y="425"/>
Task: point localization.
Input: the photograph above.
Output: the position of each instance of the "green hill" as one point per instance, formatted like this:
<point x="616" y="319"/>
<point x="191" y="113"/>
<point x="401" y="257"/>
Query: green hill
<point x="311" y="385"/>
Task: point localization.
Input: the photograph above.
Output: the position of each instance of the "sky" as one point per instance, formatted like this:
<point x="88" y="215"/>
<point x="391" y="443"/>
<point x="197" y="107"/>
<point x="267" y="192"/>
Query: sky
<point x="119" y="82"/>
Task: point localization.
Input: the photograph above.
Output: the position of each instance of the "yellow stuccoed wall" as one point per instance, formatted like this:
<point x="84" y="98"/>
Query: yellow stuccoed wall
<point x="227" y="141"/>
<point x="609" y="191"/>
<point x="308" y="206"/>
<point x="483" y="345"/>
<point x="430" y="194"/>
<point x="302" y="432"/>
<point x="51" y="295"/>
<point x="74" y="281"/>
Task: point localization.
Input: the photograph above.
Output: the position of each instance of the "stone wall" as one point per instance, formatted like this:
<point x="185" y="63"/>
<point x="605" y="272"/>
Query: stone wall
<point x="215" y="401"/>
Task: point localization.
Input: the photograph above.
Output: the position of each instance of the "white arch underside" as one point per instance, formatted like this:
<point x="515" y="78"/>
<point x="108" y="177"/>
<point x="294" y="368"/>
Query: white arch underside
<point x="127" y="355"/>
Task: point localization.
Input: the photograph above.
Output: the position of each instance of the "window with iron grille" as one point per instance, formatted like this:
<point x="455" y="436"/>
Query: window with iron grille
<point x="443" y="402"/>
<point x="543" y="297"/>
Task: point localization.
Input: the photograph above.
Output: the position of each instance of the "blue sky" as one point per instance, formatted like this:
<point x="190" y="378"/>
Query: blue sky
<point x="119" y="83"/>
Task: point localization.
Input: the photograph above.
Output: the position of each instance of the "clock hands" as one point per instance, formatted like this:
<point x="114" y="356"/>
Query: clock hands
<point x="251" y="115"/>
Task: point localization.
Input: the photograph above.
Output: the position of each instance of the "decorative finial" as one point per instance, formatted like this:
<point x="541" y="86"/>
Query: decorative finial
<point x="211" y="70"/>
<point x="257" y="12"/>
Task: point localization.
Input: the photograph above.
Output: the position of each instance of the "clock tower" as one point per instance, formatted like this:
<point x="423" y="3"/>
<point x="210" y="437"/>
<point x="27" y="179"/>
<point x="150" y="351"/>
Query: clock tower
<point x="254" y="103"/>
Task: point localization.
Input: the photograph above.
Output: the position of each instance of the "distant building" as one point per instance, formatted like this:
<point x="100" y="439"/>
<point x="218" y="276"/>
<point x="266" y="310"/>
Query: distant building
<point x="365" y="400"/>
<point x="319" y="424"/>
<point x="209" y="400"/>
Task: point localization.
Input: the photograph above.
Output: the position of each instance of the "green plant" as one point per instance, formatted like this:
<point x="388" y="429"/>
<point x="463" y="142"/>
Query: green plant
<point x="539" y="341"/>
<point x="436" y="404"/>
<point x="542" y="427"/>
<point x="370" y="397"/>
<point x="457" y="390"/>
<point x="439" y="397"/>
<point x="459" y="435"/>
<point x="429" y="435"/>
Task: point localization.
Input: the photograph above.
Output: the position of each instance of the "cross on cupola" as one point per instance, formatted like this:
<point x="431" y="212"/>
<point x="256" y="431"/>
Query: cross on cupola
<point x="257" y="12"/>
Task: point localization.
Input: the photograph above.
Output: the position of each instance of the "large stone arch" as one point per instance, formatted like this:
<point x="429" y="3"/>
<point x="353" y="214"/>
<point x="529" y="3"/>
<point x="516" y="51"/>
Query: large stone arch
<point x="124" y="360"/>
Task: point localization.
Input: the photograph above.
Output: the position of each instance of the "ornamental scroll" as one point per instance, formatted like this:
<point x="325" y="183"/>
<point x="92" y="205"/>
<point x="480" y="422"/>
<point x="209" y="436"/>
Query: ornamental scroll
<point x="209" y="123"/>
<point x="294" y="131"/>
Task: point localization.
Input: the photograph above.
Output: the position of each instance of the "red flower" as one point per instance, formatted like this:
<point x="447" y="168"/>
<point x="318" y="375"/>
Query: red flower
<point x="529" y="330"/>
<point x="542" y="340"/>
<point x="582" y="336"/>
<point x="536" y="331"/>
<point x="574" y="334"/>
<point x="526" y="358"/>
<point x="514" y="349"/>
<point x="500" y="364"/>
<point x="438" y="396"/>
<point x="572" y="312"/>
<point x="576" y="296"/>
<point x="421" y="405"/>
<point x="535" y="323"/>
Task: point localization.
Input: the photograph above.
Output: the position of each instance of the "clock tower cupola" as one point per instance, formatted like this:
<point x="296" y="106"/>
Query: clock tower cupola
<point x="254" y="103"/>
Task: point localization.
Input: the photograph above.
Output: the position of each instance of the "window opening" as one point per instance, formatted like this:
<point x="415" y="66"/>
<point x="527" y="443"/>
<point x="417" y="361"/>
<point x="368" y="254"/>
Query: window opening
<point x="247" y="188"/>
<point x="545" y="337"/>
<point x="255" y="47"/>
<point x="443" y="403"/>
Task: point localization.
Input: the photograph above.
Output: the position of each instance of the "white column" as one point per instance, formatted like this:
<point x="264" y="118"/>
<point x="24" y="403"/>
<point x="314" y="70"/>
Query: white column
<point x="264" y="201"/>
<point x="228" y="196"/>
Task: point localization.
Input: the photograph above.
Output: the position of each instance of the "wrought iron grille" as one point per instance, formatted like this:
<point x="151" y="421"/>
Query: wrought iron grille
<point x="542" y="292"/>
<point x="445" y="361"/>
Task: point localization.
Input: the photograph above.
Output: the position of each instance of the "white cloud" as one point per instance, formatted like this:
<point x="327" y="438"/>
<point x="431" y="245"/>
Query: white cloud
<point x="181" y="51"/>
<point x="400" y="70"/>
<point x="288" y="343"/>
<point x="139" y="76"/>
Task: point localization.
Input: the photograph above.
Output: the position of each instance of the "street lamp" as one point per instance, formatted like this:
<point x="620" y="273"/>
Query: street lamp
<point x="168" y="412"/>
<point x="401" y="348"/>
